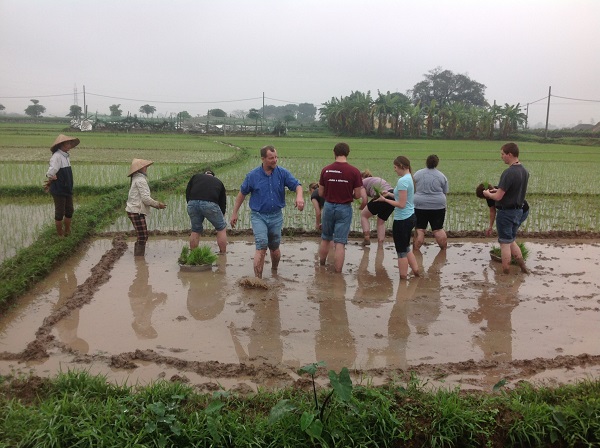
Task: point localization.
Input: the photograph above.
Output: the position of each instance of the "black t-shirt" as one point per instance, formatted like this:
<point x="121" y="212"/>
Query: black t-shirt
<point x="204" y="187"/>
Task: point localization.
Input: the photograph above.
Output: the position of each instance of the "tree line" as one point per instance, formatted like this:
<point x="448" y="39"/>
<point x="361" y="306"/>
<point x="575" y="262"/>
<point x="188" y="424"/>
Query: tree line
<point x="444" y="104"/>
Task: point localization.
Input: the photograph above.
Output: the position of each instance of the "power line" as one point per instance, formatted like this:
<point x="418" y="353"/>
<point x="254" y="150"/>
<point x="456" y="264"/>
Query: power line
<point x="133" y="99"/>
<point x="575" y="99"/>
<point x="174" y="102"/>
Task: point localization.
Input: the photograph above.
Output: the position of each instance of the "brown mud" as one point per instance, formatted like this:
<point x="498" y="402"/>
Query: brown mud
<point x="463" y="322"/>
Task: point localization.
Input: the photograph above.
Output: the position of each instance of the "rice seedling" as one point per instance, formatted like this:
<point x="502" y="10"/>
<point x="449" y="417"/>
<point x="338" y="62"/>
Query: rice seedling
<point x="200" y="255"/>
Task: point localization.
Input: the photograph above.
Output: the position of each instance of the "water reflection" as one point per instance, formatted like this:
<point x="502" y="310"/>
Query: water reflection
<point x="334" y="342"/>
<point x="68" y="325"/>
<point x="206" y="290"/>
<point x="143" y="301"/>
<point x="372" y="288"/>
<point x="265" y="343"/>
<point x="398" y="328"/>
<point x="425" y="308"/>
<point x="496" y="303"/>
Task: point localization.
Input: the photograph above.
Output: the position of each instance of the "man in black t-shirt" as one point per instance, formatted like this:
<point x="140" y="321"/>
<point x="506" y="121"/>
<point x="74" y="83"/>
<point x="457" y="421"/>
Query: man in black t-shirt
<point x="206" y="198"/>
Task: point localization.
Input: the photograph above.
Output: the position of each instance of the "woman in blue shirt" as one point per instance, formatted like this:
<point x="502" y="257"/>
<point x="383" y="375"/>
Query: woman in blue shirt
<point x="404" y="216"/>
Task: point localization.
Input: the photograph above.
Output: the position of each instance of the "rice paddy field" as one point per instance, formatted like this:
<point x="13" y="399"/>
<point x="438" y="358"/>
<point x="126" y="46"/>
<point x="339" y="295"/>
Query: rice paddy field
<point x="563" y="190"/>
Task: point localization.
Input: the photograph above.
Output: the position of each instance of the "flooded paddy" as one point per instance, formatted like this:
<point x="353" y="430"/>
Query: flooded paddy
<point x="463" y="322"/>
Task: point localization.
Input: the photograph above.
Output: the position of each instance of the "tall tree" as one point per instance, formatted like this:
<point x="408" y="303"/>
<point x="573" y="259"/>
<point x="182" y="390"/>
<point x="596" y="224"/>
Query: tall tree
<point x="218" y="113"/>
<point x="306" y="112"/>
<point x="75" y="112"/>
<point x="115" y="111"/>
<point x="35" y="109"/>
<point x="512" y="118"/>
<point x="255" y="115"/>
<point x="2" y="107"/>
<point x="184" y="115"/>
<point x="445" y="87"/>
<point x="147" y="109"/>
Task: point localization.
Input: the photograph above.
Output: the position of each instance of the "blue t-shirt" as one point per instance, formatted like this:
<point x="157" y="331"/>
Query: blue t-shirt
<point x="405" y="183"/>
<point x="267" y="192"/>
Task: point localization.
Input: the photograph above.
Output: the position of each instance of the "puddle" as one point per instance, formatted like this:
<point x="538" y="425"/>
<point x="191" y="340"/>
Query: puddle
<point x="463" y="322"/>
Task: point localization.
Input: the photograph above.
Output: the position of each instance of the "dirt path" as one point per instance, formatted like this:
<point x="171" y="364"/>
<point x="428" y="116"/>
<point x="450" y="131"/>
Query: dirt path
<point x="463" y="322"/>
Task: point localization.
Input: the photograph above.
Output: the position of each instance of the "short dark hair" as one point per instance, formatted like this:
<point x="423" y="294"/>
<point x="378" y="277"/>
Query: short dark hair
<point x="341" y="149"/>
<point x="264" y="149"/>
<point x="432" y="161"/>
<point x="510" y="148"/>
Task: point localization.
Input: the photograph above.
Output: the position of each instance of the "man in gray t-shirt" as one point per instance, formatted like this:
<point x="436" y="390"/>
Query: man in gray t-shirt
<point x="510" y="197"/>
<point x="431" y="188"/>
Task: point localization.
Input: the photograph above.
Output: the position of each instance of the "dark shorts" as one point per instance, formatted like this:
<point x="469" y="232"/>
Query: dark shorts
<point x="402" y="231"/>
<point x="63" y="207"/>
<point x="434" y="217"/>
<point x="380" y="209"/>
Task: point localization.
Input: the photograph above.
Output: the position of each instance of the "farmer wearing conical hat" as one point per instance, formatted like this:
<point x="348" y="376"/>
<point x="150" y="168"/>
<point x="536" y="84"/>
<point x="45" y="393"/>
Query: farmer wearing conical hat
<point x="59" y="182"/>
<point x="139" y="202"/>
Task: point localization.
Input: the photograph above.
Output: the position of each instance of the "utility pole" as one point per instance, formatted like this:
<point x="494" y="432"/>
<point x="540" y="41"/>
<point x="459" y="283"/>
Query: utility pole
<point x="84" y="106"/>
<point x="263" y="114"/>
<point x="548" y="111"/>
<point x="527" y="116"/>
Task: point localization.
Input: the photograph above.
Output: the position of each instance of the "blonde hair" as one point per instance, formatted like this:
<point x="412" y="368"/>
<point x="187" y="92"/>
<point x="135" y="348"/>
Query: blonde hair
<point x="366" y="173"/>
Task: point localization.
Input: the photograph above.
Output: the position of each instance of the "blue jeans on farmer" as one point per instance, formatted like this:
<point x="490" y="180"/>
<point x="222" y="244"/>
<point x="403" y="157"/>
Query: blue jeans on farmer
<point x="335" y="222"/>
<point x="199" y="210"/>
<point x="267" y="229"/>
<point x="507" y="224"/>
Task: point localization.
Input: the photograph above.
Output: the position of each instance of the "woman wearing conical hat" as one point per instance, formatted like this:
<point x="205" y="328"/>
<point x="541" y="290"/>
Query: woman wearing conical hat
<point x="139" y="202"/>
<point x="59" y="182"/>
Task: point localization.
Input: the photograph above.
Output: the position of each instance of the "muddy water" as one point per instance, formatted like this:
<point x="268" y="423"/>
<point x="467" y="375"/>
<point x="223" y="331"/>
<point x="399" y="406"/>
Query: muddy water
<point x="462" y="322"/>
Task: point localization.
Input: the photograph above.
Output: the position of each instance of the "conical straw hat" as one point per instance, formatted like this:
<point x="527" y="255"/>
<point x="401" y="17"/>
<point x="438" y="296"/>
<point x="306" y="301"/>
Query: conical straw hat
<point x="138" y="164"/>
<point x="61" y="139"/>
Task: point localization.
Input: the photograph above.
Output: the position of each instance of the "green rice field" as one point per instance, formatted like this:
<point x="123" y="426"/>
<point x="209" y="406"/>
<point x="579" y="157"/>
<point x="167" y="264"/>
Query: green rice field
<point x="563" y="193"/>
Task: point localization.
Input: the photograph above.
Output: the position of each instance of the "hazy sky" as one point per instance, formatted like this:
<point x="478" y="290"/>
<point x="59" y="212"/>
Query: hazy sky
<point x="197" y="55"/>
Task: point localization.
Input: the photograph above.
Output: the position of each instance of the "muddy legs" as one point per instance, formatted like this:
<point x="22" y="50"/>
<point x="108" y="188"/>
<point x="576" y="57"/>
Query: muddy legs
<point x="139" y="250"/>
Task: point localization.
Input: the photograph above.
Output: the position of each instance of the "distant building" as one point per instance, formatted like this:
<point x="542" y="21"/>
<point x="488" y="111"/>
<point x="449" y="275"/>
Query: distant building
<point x="583" y="127"/>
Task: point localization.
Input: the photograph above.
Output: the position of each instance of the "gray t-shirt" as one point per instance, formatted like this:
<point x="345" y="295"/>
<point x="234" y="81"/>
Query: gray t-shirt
<point x="431" y="187"/>
<point x="513" y="181"/>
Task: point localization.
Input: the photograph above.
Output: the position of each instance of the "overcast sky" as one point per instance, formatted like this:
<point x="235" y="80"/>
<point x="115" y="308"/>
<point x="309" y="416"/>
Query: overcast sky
<point x="197" y="55"/>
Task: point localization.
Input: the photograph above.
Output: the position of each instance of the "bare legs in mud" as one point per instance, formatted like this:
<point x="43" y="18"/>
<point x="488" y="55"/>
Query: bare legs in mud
<point x="259" y="261"/>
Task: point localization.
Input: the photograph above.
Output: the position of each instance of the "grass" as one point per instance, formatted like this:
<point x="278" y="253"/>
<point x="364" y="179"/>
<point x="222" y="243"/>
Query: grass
<point x="77" y="409"/>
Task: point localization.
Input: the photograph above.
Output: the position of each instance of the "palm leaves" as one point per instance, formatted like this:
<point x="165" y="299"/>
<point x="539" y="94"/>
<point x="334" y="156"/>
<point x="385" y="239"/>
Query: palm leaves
<point x="358" y="114"/>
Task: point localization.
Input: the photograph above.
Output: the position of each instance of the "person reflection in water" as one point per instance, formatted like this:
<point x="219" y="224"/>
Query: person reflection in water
<point x="68" y="325"/>
<point x="334" y="342"/>
<point x="143" y="301"/>
<point x="496" y="303"/>
<point x="398" y="329"/>
<point x="206" y="292"/>
<point x="425" y="310"/>
<point x="372" y="289"/>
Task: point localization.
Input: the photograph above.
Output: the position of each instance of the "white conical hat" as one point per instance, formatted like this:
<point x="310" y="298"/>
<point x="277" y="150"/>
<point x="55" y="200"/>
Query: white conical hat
<point x="63" y="138"/>
<point x="138" y="164"/>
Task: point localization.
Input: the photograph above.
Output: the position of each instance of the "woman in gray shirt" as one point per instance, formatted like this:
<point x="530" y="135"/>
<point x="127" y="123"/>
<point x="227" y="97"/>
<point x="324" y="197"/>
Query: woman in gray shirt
<point x="431" y="188"/>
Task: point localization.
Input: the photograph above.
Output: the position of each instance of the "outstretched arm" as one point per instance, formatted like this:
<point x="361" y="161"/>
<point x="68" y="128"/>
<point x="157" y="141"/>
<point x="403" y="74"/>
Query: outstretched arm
<point x="239" y="199"/>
